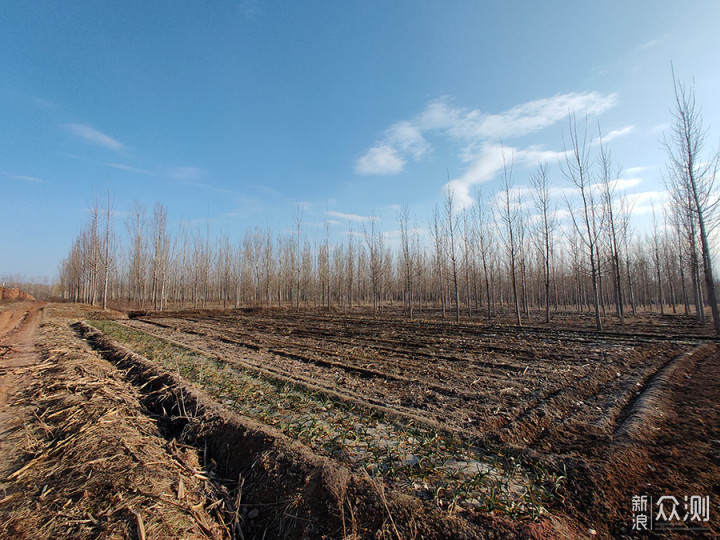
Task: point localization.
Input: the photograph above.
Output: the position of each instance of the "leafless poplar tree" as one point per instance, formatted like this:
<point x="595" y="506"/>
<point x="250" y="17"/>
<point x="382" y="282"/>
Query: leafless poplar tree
<point x="576" y="171"/>
<point x="436" y="232"/>
<point x="547" y="224"/>
<point x="450" y="229"/>
<point x="376" y="251"/>
<point x="509" y="214"/>
<point x="408" y="258"/>
<point x="691" y="177"/>
<point x="608" y="177"/>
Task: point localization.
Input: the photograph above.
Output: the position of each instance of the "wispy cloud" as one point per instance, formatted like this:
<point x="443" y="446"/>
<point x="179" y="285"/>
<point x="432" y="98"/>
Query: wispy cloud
<point x="380" y="160"/>
<point x="622" y="184"/>
<point x="250" y="9"/>
<point x="635" y="170"/>
<point x="644" y="202"/>
<point x="520" y="120"/>
<point x="649" y="45"/>
<point x="615" y="133"/>
<point x="349" y="217"/>
<point x="659" y="129"/>
<point x="94" y="136"/>
<point x="128" y="168"/>
<point x="209" y="187"/>
<point x="25" y="178"/>
<point x="476" y="132"/>
<point x="489" y="163"/>
<point x="386" y="157"/>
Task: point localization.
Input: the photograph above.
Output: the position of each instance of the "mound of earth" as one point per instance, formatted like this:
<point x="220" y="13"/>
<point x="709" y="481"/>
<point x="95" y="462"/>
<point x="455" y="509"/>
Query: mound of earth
<point x="12" y="293"/>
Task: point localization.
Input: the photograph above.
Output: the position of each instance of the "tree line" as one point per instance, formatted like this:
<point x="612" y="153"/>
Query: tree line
<point x="522" y="250"/>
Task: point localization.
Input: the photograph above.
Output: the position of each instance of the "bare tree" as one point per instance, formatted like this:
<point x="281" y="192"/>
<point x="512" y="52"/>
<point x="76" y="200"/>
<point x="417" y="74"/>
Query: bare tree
<point x="608" y="177"/>
<point x="408" y="257"/>
<point x="509" y="213"/>
<point x="691" y="177"/>
<point x="108" y="233"/>
<point x="436" y="230"/>
<point x="576" y="171"/>
<point x="657" y="260"/>
<point x="160" y="255"/>
<point x="450" y="226"/>
<point x="137" y="225"/>
<point x="298" y="259"/>
<point x="374" y="241"/>
<point x="482" y="211"/>
<point x="547" y="225"/>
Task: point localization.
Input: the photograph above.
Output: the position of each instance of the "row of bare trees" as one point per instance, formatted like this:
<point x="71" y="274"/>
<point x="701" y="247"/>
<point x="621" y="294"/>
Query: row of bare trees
<point x="525" y="250"/>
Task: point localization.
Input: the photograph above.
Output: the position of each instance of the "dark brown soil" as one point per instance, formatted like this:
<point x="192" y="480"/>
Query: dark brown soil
<point x="571" y="398"/>
<point x="542" y="390"/>
<point x="290" y="491"/>
<point x="628" y="412"/>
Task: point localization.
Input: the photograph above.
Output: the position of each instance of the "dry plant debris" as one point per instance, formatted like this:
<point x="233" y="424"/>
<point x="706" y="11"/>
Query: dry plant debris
<point x="96" y="466"/>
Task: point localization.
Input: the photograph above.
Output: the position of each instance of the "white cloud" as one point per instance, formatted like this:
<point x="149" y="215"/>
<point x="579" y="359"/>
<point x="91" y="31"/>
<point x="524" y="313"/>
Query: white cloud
<point x="635" y="170"/>
<point x="349" y="217"/>
<point x="534" y="155"/>
<point x="643" y="203"/>
<point x="564" y="192"/>
<point x="408" y="138"/>
<point x="624" y="183"/>
<point x="485" y="167"/>
<point x="536" y="115"/>
<point x="250" y="9"/>
<point x="473" y="124"/>
<point x="658" y="129"/>
<point x="488" y="164"/>
<point x="649" y="45"/>
<point x="44" y="103"/>
<point x="128" y="168"/>
<point x="474" y="129"/>
<point x="25" y="178"/>
<point x="380" y="160"/>
<point x="94" y="136"/>
<point x="305" y="206"/>
<point x="615" y="133"/>
<point x="386" y="157"/>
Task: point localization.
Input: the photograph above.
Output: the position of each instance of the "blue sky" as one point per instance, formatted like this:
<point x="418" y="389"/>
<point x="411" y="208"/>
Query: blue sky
<point x="236" y="111"/>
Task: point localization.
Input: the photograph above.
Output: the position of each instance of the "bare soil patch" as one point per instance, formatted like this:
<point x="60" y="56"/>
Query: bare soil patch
<point x="539" y="389"/>
<point x="97" y="441"/>
<point x="565" y="397"/>
<point x="12" y="293"/>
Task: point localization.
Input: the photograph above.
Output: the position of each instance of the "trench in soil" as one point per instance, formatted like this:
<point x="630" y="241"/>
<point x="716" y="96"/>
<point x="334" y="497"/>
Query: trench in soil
<point x="397" y="465"/>
<point x="429" y="464"/>
<point x="239" y="457"/>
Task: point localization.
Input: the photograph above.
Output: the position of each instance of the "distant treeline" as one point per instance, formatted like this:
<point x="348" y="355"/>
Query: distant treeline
<point x="514" y="250"/>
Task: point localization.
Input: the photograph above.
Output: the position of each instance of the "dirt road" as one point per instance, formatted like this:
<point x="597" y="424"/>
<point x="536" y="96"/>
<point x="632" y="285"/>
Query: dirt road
<point x="18" y="326"/>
